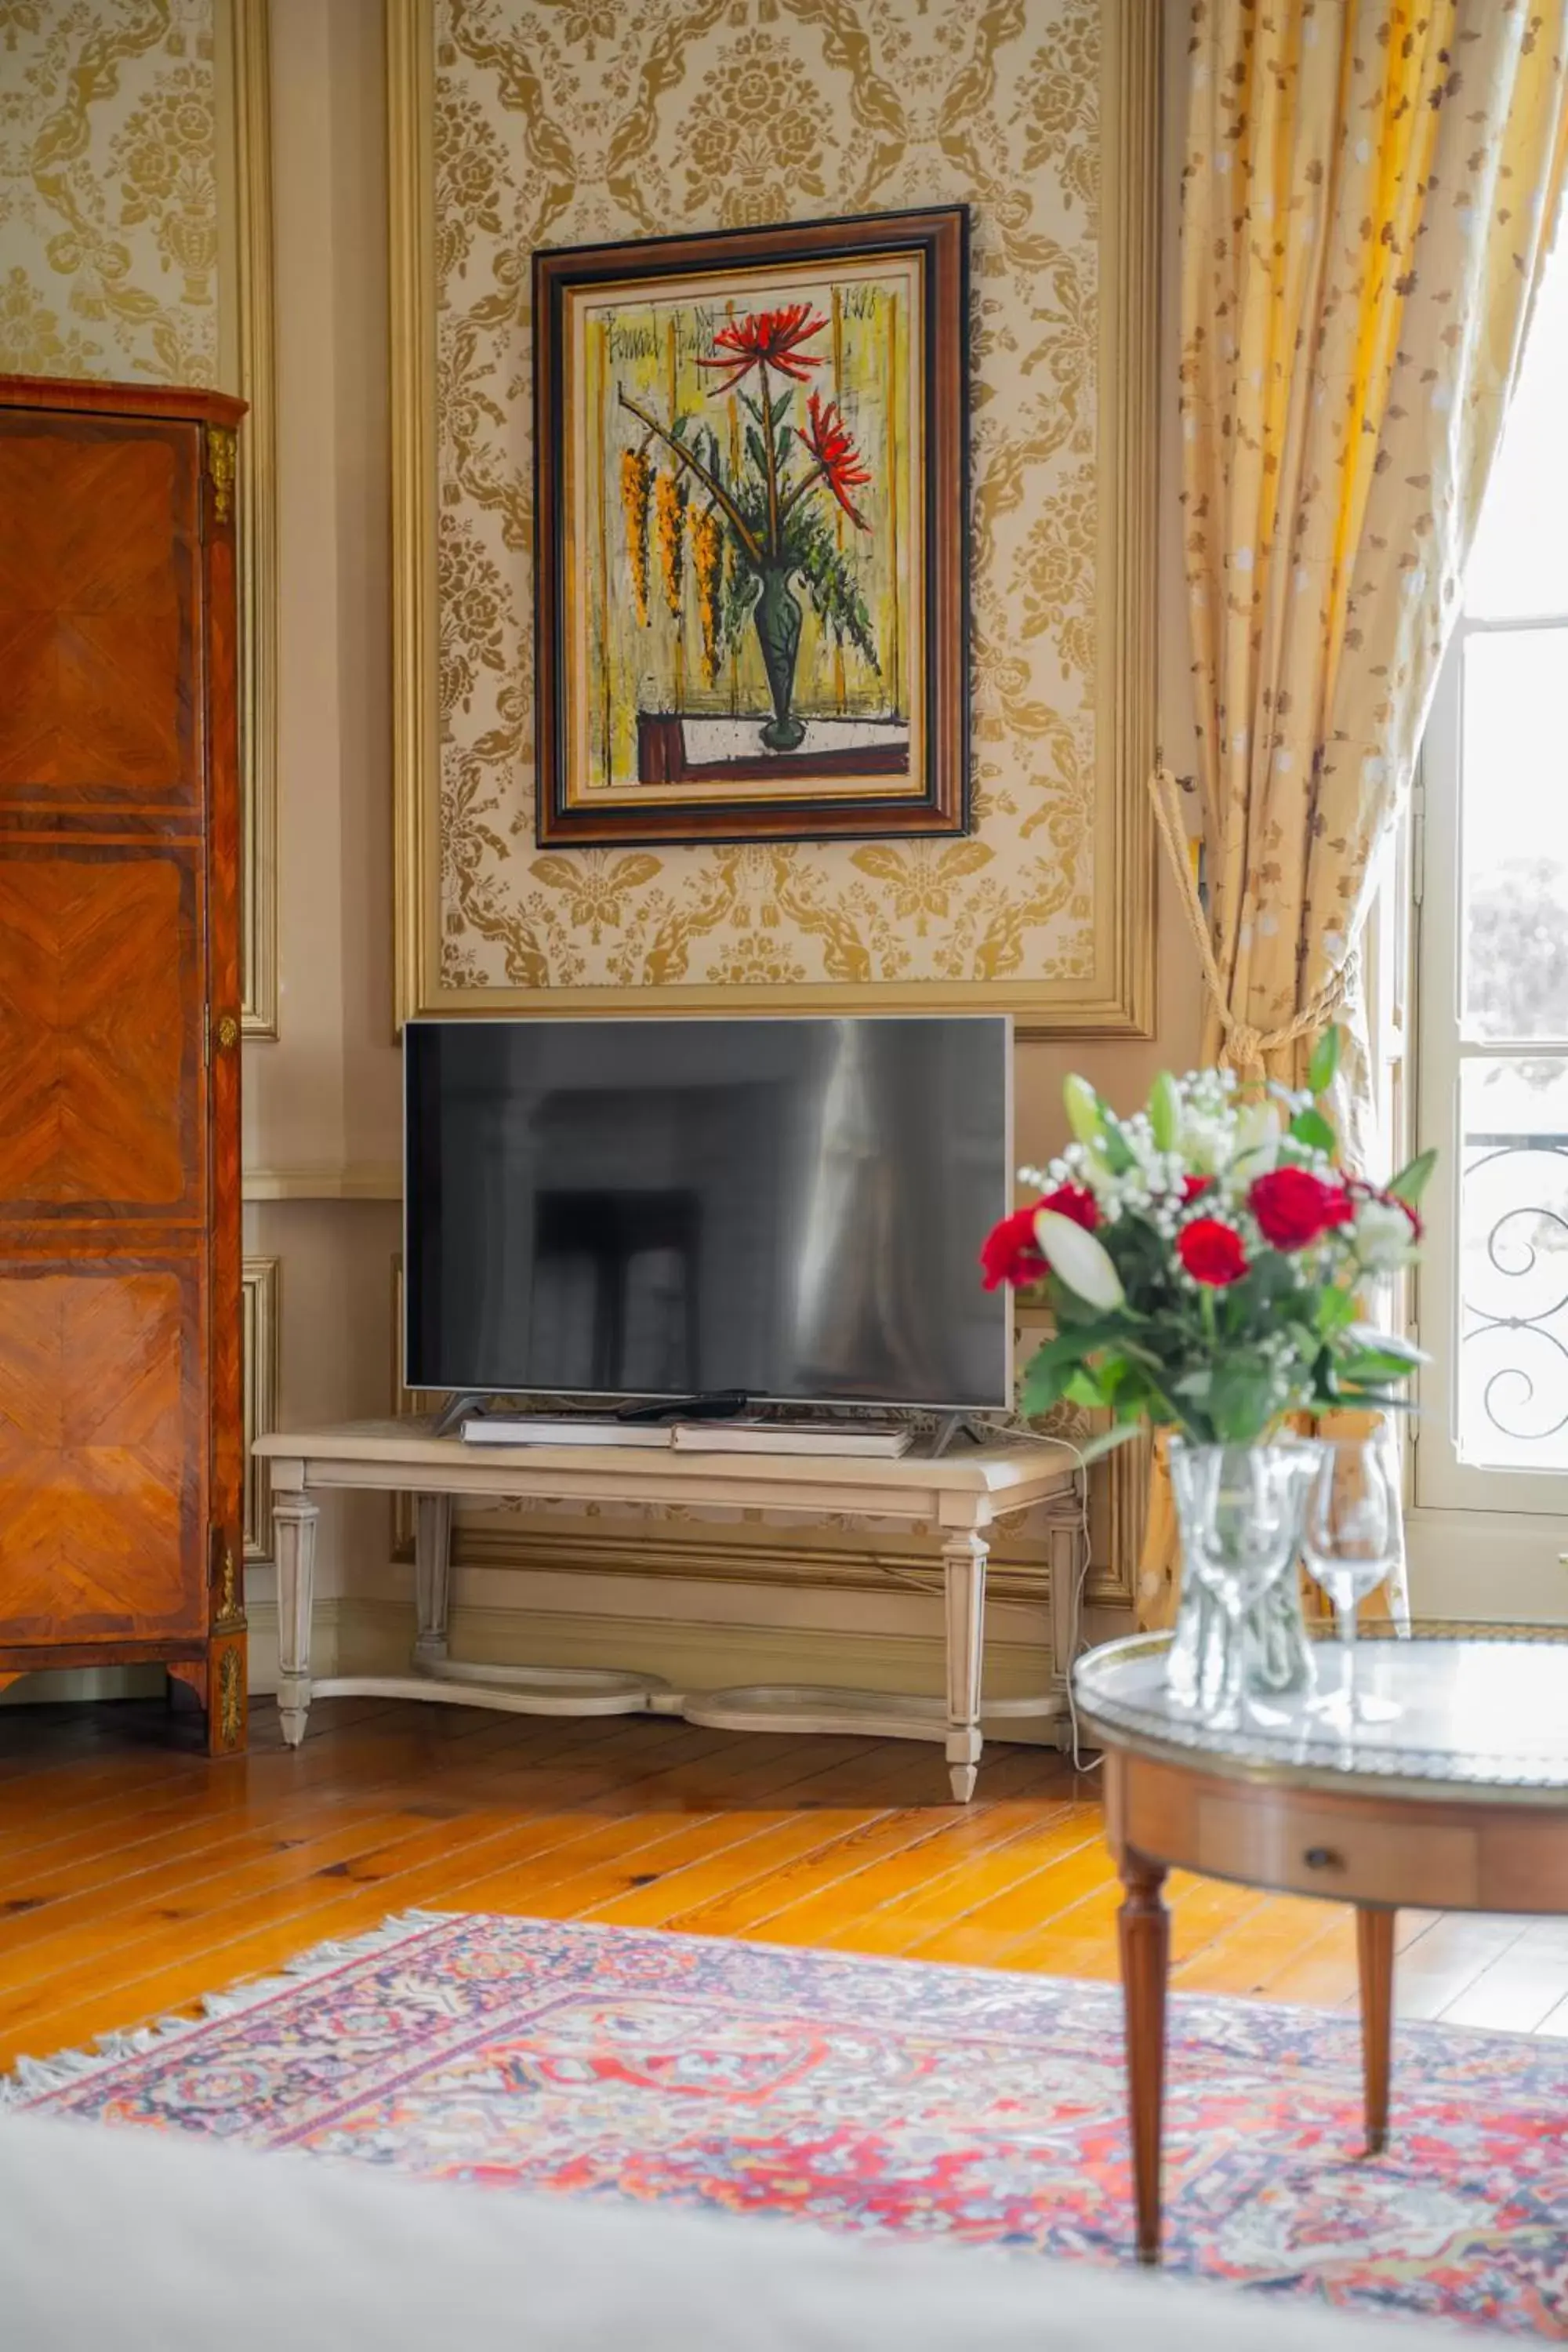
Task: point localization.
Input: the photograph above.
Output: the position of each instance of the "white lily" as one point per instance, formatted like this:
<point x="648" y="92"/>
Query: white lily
<point x="1259" y="1128"/>
<point x="1082" y="1263"/>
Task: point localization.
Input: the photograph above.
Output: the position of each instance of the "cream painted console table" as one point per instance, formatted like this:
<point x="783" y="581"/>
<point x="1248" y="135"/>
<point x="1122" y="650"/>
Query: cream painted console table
<point x="961" y="1493"/>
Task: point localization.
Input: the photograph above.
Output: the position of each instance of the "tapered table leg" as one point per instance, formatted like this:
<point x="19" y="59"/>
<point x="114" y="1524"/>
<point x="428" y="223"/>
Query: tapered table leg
<point x="1374" y="1961"/>
<point x="964" y="1569"/>
<point x="1143" y="1925"/>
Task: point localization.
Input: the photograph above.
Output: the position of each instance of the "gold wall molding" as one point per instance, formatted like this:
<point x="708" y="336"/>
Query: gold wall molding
<point x="353" y="1181"/>
<point x="261" y="1341"/>
<point x="1095" y="595"/>
<point x="248" y="123"/>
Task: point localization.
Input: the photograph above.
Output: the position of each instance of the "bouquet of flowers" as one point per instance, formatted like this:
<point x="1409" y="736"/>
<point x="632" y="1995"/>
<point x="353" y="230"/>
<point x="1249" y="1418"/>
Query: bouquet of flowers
<point x="1206" y="1261"/>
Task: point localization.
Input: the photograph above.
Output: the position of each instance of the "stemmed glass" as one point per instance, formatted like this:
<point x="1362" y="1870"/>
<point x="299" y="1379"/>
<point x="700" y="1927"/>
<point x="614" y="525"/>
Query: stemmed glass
<point x="1350" y="1542"/>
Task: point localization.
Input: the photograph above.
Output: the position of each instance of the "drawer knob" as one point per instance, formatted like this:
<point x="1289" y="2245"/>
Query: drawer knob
<point x="1323" y="1857"/>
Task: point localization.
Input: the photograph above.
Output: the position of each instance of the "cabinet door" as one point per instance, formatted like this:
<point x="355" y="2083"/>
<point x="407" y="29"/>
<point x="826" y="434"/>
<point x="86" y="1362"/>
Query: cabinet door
<point x="102" y="1444"/>
<point x="99" y="603"/>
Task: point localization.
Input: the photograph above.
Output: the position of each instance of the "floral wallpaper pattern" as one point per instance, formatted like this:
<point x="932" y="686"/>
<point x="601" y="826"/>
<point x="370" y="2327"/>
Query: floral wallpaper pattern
<point x="565" y="122"/>
<point x="108" y="232"/>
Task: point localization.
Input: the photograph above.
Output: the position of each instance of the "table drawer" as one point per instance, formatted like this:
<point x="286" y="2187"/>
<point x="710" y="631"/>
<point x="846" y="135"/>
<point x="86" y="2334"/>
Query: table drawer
<point x="1292" y="1844"/>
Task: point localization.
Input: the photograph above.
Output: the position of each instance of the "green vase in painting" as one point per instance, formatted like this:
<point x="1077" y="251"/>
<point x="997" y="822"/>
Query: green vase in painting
<point x="777" y="618"/>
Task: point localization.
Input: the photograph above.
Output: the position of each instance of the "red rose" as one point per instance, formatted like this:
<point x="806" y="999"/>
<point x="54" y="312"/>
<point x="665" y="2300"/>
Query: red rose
<point x="1212" y="1253"/>
<point x="1294" y="1207"/>
<point x="1074" y="1200"/>
<point x="1010" y="1253"/>
<point x="1193" y="1186"/>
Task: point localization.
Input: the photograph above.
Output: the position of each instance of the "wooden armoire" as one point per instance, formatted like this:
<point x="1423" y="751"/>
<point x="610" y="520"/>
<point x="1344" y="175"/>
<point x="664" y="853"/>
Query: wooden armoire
<point x="121" y="1445"/>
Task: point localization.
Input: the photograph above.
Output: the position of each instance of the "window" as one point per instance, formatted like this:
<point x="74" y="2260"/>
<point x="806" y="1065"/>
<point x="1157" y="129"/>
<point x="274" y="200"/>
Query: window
<point x="1492" y="872"/>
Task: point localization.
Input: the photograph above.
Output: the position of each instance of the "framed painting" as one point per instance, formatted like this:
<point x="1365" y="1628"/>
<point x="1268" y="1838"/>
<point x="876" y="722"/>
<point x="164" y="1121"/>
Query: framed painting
<point x="750" y="479"/>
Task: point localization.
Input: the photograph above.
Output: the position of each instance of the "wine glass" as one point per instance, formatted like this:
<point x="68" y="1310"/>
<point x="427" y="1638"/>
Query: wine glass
<point x="1351" y="1541"/>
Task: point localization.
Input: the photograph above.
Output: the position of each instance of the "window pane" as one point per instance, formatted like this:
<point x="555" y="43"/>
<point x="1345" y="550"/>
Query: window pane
<point x="1519" y="566"/>
<point x="1513" y="1265"/>
<point x="1514" y="841"/>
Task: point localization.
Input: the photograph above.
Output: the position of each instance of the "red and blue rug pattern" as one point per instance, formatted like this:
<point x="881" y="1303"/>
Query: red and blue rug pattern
<point x="878" y="2097"/>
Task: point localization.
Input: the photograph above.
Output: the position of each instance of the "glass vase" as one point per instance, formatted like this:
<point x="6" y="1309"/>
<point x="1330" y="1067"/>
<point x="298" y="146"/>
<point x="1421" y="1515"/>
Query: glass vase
<point x="1239" y="1633"/>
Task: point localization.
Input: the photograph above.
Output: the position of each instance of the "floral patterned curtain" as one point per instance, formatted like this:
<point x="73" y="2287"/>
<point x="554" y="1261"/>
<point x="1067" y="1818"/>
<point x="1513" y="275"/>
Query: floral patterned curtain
<point x="1369" y="193"/>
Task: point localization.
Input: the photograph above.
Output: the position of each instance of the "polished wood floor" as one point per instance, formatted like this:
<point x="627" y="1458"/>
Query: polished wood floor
<point x="135" y="1875"/>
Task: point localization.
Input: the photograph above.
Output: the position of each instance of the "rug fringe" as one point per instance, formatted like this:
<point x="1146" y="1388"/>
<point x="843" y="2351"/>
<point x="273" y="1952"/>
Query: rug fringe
<point x="34" y="2078"/>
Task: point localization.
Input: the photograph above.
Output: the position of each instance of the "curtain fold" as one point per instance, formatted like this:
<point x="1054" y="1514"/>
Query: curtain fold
<point x="1369" y="192"/>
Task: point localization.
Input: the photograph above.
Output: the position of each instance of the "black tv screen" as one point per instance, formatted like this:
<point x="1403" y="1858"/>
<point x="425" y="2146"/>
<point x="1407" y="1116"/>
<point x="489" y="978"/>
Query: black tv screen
<point x="792" y="1208"/>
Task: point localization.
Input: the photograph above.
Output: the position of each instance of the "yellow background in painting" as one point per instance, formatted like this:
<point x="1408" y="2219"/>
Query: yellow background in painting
<point x="652" y="349"/>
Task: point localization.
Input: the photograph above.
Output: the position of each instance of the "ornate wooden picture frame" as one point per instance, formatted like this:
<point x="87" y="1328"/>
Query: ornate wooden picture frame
<point x="752" y="533"/>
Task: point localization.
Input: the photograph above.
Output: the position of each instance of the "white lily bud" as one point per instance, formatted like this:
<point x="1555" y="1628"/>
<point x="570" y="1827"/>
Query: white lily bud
<point x="1258" y="1127"/>
<point x="1081" y="1262"/>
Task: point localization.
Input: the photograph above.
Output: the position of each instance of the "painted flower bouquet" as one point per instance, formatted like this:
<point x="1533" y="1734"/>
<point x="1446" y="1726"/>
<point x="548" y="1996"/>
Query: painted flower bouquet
<point x="1206" y="1261"/>
<point x="760" y="515"/>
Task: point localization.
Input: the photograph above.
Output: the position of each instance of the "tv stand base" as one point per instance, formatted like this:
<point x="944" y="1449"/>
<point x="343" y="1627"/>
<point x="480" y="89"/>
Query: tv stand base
<point x="962" y="1496"/>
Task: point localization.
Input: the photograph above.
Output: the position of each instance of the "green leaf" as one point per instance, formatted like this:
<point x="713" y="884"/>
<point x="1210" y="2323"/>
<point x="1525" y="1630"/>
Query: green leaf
<point x="1374" y="1364"/>
<point x="780" y="408"/>
<point x="1411" y="1181"/>
<point x="1323" y="1068"/>
<point x="1106" y="1441"/>
<point x="1044" y="1385"/>
<point x="1310" y="1128"/>
<point x="1083" y="1388"/>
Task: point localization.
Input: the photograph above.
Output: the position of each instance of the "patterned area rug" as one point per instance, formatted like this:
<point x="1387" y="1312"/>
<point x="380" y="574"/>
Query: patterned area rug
<point x="884" y="2096"/>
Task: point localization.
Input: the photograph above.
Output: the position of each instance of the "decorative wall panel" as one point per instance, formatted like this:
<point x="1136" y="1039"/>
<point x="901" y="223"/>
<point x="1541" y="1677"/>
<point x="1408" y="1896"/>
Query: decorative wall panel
<point x="259" y="1287"/>
<point x="108" y="190"/>
<point x="516" y="125"/>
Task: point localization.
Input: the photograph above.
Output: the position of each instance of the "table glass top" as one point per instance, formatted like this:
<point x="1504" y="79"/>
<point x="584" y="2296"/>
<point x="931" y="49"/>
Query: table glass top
<point x="1472" y="1706"/>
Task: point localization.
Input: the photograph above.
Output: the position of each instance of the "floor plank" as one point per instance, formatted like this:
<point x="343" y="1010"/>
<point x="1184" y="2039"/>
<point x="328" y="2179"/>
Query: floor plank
<point x="137" y="1874"/>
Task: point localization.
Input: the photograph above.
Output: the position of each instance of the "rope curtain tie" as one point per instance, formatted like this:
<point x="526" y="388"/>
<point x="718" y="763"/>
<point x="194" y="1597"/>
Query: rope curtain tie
<point x="1245" y="1045"/>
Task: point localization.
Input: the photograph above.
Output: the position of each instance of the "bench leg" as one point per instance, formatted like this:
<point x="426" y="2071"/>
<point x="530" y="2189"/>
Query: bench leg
<point x="432" y="1576"/>
<point x="294" y="1517"/>
<point x="964" y="1573"/>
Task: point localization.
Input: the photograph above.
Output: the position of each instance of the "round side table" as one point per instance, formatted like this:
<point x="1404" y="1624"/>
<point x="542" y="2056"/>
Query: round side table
<point x="1456" y="1801"/>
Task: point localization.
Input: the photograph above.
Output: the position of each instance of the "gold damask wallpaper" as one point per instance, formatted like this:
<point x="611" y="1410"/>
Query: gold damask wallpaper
<point x="563" y="123"/>
<point x="109" y="196"/>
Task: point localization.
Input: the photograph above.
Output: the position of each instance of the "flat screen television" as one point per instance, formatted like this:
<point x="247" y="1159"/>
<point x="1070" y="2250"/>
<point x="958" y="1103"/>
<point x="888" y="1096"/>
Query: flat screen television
<point x="792" y="1209"/>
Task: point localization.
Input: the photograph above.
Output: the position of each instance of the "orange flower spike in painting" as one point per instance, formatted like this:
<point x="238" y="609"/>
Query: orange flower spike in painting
<point x="669" y="502"/>
<point x="838" y="461"/>
<point x="636" y="475"/>
<point x="708" y="576"/>
<point x="767" y="339"/>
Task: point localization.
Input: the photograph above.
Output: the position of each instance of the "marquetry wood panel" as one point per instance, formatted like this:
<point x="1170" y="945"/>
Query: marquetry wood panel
<point x="101" y="994"/>
<point x="101" y="1384"/>
<point x="99" y="640"/>
<point x="122" y="1445"/>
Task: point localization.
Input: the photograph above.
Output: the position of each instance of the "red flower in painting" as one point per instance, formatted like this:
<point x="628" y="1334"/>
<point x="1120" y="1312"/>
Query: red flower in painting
<point x="767" y="339"/>
<point x="828" y="441"/>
